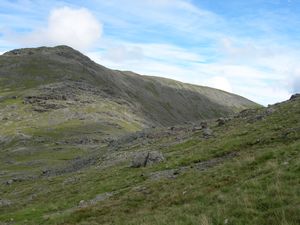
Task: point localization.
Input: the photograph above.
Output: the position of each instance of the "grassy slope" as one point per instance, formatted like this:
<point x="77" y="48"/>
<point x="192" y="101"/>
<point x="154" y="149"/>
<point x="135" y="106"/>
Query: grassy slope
<point x="259" y="186"/>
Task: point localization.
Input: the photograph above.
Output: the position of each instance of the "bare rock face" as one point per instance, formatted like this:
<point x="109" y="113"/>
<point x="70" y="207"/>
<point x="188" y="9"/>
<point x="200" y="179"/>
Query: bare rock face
<point x="143" y="159"/>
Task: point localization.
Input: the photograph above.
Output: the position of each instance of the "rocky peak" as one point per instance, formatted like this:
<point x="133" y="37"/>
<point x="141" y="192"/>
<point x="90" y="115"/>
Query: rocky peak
<point x="61" y="50"/>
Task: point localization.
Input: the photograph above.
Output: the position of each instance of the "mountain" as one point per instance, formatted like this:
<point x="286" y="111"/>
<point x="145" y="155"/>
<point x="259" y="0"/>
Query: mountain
<point x="55" y="76"/>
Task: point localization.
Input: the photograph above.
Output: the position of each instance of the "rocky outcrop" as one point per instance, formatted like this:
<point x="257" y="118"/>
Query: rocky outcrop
<point x="222" y="121"/>
<point x="295" y="96"/>
<point x="199" y="166"/>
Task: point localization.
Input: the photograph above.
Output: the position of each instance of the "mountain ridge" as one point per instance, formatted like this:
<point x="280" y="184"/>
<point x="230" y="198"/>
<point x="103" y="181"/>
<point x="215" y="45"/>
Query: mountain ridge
<point x="165" y="101"/>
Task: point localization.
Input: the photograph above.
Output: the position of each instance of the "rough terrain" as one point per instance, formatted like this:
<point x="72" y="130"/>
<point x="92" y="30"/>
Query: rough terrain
<point x="73" y="151"/>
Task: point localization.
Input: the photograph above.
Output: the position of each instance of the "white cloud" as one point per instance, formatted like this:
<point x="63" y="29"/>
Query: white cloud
<point x="75" y="27"/>
<point x="219" y="82"/>
<point x="270" y="69"/>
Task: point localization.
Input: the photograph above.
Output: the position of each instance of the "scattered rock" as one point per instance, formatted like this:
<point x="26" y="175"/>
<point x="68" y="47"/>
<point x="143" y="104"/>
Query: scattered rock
<point x="200" y="166"/>
<point x="141" y="189"/>
<point x="203" y="165"/>
<point x="74" y="165"/>
<point x="196" y="128"/>
<point x="270" y="111"/>
<point x="71" y="180"/>
<point x="98" y="198"/>
<point x="143" y="159"/>
<point x="5" y="202"/>
<point x="165" y="174"/>
<point x="23" y="137"/>
<point x="9" y="182"/>
<point x="101" y="197"/>
<point x="81" y="203"/>
<point x="246" y="113"/>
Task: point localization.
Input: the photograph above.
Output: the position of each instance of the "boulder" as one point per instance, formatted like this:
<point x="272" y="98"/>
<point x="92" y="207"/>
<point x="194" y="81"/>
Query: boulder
<point x="207" y="132"/>
<point x="143" y="159"/>
<point x="139" y="160"/>
<point x="204" y="125"/>
<point x="155" y="157"/>
<point x="5" y="202"/>
<point x="9" y="182"/>
<point x="196" y="128"/>
<point x="221" y="121"/>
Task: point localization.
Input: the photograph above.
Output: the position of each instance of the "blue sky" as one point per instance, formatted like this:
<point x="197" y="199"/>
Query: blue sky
<point x="251" y="48"/>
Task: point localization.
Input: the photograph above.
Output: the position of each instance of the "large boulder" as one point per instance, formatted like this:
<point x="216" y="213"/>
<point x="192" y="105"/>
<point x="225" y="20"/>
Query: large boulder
<point x="207" y="133"/>
<point x="143" y="159"/>
<point x="155" y="157"/>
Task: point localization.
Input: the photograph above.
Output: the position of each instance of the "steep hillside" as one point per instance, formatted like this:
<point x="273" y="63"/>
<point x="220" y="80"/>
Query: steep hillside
<point x="72" y="77"/>
<point x="242" y="170"/>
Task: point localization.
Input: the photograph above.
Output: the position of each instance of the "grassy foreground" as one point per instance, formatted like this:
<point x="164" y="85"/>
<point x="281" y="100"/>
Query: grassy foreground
<point x="259" y="185"/>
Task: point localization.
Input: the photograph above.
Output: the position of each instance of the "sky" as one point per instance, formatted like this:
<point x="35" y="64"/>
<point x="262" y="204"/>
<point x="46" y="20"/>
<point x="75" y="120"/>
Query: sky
<point x="251" y="48"/>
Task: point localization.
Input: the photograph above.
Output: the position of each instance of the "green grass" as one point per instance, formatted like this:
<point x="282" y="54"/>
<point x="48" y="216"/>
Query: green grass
<point x="259" y="186"/>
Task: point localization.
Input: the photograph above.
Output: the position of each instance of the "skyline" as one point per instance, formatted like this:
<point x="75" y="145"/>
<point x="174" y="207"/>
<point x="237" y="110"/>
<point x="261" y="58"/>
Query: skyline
<point x="250" y="49"/>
